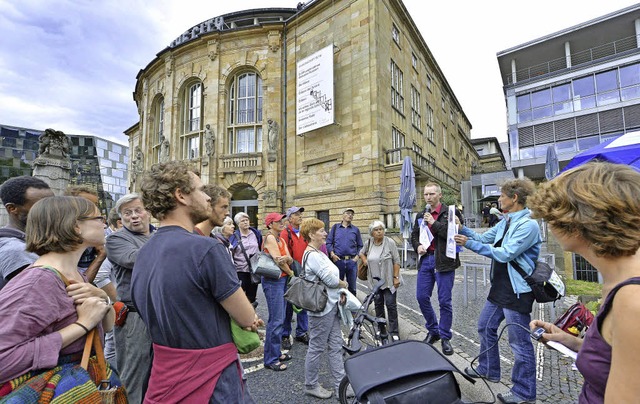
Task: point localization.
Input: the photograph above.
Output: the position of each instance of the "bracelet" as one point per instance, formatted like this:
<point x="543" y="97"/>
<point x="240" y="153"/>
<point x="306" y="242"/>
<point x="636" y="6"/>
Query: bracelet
<point x="86" y="330"/>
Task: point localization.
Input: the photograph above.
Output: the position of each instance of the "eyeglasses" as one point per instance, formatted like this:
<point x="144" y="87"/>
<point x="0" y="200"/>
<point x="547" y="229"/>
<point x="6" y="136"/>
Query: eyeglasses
<point x="97" y="218"/>
<point x="129" y="213"/>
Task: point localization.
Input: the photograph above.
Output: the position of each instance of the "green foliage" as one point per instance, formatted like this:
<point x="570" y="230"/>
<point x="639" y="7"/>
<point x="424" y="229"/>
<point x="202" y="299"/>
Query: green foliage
<point x="449" y="197"/>
<point x="583" y="288"/>
<point x="593" y="306"/>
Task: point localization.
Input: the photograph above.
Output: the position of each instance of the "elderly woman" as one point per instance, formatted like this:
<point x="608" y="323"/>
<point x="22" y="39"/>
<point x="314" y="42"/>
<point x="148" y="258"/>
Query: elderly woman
<point x="593" y="210"/>
<point x="324" y="326"/>
<point x="514" y="241"/>
<point x="380" y="253"/>
<point x="224" y="232"/>
<point x="274" y="292"/>
<point x="49" y="308"/>
<point x="246" y="241"/>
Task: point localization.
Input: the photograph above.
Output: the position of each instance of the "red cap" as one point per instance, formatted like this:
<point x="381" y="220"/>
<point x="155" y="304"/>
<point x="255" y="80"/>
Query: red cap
<point x="273" y="217"/>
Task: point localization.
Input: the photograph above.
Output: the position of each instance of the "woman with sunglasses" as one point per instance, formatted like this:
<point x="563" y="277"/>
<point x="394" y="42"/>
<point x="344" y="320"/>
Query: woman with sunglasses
<point x="49" y="308"/>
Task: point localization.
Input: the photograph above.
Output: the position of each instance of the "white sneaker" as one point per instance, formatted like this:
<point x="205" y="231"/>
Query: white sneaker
<point x="319" y="392"/>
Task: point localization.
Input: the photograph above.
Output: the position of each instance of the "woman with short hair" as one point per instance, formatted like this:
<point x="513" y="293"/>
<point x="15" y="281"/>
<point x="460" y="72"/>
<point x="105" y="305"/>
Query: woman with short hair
<point x="593" y="210"/>
<point x="246" y="241"/>
<point x="380" y="253"/>
<point x="324" y="326"/>
<point x="224" y="232"/>
<point x="49" y="308"/>
<point x="514" y="241"/>
<point x="274" y="292"/>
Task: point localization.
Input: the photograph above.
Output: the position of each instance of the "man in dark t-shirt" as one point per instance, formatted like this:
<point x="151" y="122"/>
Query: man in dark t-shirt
<point x="185" y="288"/>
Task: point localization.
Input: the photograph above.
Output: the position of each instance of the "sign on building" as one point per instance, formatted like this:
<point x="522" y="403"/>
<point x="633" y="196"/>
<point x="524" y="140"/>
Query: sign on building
<point x="314" y="91"/>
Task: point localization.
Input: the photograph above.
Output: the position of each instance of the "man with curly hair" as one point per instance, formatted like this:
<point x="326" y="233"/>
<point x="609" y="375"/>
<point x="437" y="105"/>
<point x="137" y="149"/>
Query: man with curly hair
<point x="181" y="278"/>
<point x="18" y="195"/>
<point x="514" y="241"/>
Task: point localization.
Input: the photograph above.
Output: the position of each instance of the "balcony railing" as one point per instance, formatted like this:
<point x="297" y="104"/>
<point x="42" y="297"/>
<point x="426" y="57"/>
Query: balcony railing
<point x="240" y="163"/>
<point x="421" y="163"/>
<point x="578" y="58"/>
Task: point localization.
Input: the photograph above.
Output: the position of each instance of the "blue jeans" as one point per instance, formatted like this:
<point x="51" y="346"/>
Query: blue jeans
<point x="426" y="280"/>
<point x="350" y="269"/>
<point x="523" y="374"/>
<point x="274" y="293"/>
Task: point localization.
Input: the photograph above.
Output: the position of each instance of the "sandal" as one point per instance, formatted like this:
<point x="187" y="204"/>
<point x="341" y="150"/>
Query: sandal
<point x="278" y="367"/>
<point x="285" y="357"/>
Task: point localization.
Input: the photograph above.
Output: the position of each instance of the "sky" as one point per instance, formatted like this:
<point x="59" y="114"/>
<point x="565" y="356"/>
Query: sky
<point x="71" y="65"/>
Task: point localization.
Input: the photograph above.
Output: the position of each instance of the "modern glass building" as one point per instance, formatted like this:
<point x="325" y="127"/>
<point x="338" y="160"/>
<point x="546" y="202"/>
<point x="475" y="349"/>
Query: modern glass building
<point x="97" y="163"/>
<point x="572" y="89"/>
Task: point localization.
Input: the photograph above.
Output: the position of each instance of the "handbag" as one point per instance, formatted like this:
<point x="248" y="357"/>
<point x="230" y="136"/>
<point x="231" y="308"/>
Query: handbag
<point x="306" y="294"/>
<point x="255" y="278"/>
<point x="362" y="268"/>
<point x="263" y="264"/>
<point x="97" y="369"/>
<point x="246" y="341"/>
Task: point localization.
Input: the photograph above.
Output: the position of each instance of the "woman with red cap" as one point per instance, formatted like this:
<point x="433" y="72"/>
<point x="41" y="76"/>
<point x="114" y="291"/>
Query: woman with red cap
<point x="273" y="290"/>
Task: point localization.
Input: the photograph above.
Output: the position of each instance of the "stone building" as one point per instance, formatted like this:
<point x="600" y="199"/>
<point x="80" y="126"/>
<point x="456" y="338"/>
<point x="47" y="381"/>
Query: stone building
<point x="226" y="96"/>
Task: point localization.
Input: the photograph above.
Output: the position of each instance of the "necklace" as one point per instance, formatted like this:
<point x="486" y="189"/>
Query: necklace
<point x="312" y="247"/>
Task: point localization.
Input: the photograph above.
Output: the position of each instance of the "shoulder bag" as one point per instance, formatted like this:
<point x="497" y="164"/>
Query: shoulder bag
<point x="97" y="368"/>
<point x="306" y="294"/>
<point x="262" y="264"/>
<point x="362" y="268"/>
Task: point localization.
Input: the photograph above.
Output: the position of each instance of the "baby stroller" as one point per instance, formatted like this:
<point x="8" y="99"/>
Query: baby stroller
<point x="404" y="372"/>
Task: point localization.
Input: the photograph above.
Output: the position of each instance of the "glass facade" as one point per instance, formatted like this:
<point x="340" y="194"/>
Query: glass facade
<point x="97" y="163"/>
<point x="594" y="90"/>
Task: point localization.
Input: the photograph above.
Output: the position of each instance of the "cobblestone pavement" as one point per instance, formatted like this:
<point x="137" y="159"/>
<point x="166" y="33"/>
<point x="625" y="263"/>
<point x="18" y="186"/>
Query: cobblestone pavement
<point x="558" y="382"/>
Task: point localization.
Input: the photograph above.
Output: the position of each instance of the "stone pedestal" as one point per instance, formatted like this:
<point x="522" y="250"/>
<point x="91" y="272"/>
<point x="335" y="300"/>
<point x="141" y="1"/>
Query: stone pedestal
<point x="54" y="171"/>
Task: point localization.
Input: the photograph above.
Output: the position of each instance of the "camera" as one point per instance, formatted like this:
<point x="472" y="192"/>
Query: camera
<point x="537" y="333"/>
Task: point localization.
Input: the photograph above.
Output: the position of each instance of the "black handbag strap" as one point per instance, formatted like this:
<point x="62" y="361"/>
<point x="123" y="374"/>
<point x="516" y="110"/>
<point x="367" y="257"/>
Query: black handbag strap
<point x="519" y="269"/>
<point x="244" y="252"/>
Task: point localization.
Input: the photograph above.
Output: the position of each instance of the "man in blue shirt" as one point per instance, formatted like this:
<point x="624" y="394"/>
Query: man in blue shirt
<point x="343" y="244"/>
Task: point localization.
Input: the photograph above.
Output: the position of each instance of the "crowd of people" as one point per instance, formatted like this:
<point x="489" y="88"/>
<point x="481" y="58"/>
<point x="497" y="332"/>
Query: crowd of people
<point x="67" y="270"/>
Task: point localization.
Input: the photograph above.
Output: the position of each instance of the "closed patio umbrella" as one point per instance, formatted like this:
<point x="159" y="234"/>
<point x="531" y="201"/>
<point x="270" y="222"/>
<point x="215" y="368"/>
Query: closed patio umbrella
<point x="406" y="200"/>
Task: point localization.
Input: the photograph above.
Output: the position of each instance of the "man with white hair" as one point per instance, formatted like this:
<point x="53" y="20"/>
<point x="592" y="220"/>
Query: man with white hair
<point x="132" y="340"/>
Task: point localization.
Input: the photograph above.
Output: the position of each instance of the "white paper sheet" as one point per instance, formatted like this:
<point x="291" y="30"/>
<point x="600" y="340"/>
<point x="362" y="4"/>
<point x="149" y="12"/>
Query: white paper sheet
<point x="452" y="230"/>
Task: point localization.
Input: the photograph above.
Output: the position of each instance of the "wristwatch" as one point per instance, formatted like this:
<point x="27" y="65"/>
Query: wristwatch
<point x="396" y="277"/>
<point x="108" y="300"/>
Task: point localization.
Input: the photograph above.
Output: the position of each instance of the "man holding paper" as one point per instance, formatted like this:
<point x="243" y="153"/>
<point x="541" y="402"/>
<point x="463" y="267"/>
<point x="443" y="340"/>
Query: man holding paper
<point x="430" y="237"/>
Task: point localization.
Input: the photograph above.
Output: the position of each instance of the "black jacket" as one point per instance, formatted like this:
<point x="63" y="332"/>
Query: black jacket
<point x="439" y="231"/>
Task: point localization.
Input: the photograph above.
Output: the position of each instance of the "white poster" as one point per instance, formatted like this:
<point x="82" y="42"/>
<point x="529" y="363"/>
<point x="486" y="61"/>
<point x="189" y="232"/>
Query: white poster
<point x="314" y="91"/>
<point x="452" y="230"/>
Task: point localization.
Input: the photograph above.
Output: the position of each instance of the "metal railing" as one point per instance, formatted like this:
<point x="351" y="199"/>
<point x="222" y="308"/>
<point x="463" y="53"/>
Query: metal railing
<point x="578" y="58"/>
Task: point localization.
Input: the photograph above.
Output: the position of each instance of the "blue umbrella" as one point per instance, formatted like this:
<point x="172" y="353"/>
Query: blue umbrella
<point x="407" y="196"/>
<point x="622" y="150"/>
<point x="551" y="167"/>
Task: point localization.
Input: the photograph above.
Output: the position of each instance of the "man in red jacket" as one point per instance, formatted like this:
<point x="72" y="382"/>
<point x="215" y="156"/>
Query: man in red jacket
<point x="296" y="245"/>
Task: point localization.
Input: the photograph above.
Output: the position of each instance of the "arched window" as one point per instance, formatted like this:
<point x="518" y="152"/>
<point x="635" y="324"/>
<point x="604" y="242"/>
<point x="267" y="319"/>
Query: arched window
<point x="244" y="130"/>
<point x="192" y="135"/>
<point x="158" y="128"/>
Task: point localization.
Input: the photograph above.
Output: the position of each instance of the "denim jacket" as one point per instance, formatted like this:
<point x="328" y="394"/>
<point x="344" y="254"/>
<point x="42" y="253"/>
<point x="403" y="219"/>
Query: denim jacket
<point x="521" y="244"/>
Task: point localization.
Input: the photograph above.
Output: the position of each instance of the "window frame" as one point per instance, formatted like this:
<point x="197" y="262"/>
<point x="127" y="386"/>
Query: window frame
<point x="245" y="113"/>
